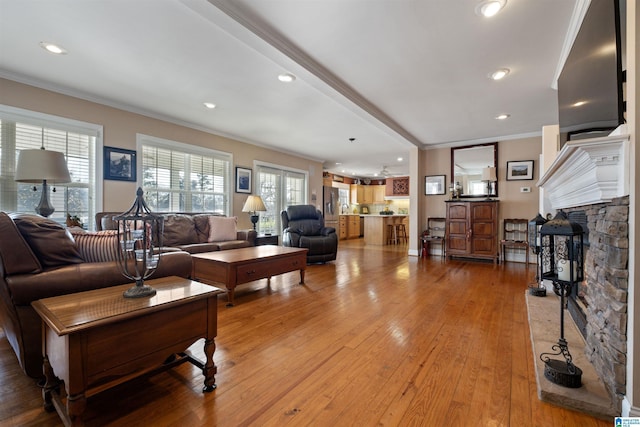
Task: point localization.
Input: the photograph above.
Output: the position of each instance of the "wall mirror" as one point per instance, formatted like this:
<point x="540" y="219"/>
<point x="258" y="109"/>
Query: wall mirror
<point x="467" y="164"/>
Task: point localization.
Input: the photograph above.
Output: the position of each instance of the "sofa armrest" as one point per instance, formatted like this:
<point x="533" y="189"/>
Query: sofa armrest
<point x="249" y="235"/>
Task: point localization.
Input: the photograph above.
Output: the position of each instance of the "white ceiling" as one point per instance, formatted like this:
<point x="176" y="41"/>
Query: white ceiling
<point x="390" y="73"/>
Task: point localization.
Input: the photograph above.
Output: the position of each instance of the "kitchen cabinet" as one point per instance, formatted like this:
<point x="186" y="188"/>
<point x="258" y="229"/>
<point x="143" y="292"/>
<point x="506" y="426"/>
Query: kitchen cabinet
<point x="367" y="194"/>
<point x="472" y="229"/>
<point x="361" y="194"/>
<point x="397" y="187"/>
<point x="367" y="191"/>
<point x="357" y="193"/>
<point x="378" y="193"/>
<point x="353" y="226"/>
<point x="342" y="227"/>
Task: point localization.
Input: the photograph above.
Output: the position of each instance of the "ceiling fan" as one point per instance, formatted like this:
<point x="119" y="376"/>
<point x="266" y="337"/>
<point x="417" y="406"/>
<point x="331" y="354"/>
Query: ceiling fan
<point x="384" y="172"/>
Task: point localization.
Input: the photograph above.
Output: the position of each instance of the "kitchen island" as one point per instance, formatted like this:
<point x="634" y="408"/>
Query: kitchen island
<point x="376" y="230"/>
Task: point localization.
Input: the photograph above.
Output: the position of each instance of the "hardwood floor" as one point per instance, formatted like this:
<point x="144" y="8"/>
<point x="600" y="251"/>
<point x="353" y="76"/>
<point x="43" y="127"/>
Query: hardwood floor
<point x="374" y="338"/>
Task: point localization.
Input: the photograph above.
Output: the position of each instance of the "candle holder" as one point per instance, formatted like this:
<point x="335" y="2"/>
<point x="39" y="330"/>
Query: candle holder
<point x="537" y="288"/>
<point x="561" y="262"/>
<point x="140" y="236"/>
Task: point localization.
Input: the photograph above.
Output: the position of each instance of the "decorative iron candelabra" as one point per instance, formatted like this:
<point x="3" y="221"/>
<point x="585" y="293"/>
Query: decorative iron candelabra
<point x="561" y="262"/>
<point x="537" y="289"/>
<point x="140" y="236"/>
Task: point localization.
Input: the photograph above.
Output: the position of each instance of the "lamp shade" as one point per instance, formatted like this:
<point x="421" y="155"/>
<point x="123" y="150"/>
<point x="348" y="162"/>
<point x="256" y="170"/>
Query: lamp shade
<point x="489" y="174"/>
<point x="254" y="204"/>
<point x="35" y="166"/>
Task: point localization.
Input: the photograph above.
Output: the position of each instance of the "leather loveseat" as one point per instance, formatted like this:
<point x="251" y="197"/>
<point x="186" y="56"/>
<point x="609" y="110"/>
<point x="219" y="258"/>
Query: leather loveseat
<point x="303" y="227"/>
<point x="38" y="259"/>
<point x="194" y="232"/>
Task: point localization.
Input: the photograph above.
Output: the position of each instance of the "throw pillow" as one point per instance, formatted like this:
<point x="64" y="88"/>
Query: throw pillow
<point x="97" y="246"/>
<point x="50" y="241"/>
<point x="179" y="230"/>
<point x="222" y="228"/>
<point x="17" y="257"/>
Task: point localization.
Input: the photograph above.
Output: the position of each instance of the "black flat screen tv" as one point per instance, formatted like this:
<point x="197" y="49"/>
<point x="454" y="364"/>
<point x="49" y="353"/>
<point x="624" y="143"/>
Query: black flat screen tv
<point x="590" y="98"/>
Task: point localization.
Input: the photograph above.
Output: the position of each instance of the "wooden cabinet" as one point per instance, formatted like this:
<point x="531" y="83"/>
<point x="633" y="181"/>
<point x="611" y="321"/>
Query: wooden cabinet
<point x="472" y="229"/>
<point x="349" y="226"/>
<point x="357" y="193"/>
<point x="353" y="226"/>
<point x="367" y="194"/>
<point x="378" y="193"/>
<point x="364" y="194"/>
<point x="397" y="187"/>
<point x="342" y="227"/>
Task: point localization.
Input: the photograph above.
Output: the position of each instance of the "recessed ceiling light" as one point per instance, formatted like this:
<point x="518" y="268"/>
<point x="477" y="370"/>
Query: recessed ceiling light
<point x="375" y="174"/>
<point x="499" y="74"/>
<point x="503" y="116"/>
<point x="53" y="48"/>
<point x="579" y="103"/>
<point x="286" y="77"/>
<point x="210" y="105"/>
<point x="489" y="8"/>
<point x="338" y="163"/>
<point x="399" y="159"/>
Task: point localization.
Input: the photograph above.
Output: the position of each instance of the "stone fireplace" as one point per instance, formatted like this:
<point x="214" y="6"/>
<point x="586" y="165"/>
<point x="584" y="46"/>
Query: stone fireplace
<point x="599" y="304"/>
<point x="589" y="179"/>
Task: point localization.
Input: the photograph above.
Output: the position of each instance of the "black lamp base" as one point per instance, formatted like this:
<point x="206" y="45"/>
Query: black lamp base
<point x="254" y="220"/>
<point x="44" y="208"/>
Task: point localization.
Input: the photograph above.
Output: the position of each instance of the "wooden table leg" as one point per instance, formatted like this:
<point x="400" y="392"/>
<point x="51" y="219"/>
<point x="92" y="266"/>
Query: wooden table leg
<point x="210" y="369"/>
<point x="301" y="276"/>
<point x="51" y="383"/>
<point x="75" y="407"/>
<point x="231" y="290"/>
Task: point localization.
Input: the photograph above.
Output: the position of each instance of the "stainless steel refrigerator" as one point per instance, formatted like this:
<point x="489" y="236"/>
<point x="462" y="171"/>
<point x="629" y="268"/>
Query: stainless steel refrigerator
<point x="331" y="207"/>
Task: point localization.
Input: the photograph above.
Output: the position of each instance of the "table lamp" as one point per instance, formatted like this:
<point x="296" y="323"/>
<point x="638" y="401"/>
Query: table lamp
<point x="489" y="175"/>
<point x="40" y="166"/>
<point x="253" y="205"/>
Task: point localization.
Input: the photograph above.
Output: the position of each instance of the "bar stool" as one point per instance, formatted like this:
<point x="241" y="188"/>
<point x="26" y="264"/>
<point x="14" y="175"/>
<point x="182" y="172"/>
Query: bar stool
<point x="392" y="232"/>
<point x="401" y="230"/>
<point x="396" y="231"/>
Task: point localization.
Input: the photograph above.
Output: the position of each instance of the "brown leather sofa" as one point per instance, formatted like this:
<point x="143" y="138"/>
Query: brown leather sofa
<point x="40" y="259"/>
<point x="191" y="232"/>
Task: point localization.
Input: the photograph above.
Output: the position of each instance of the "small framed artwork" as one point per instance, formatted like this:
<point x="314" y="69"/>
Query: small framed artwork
<point x="119" y="164"/>
<point x="434" y="184"/>
<point x="243" y="180"/>
<point x="520" y="170"/>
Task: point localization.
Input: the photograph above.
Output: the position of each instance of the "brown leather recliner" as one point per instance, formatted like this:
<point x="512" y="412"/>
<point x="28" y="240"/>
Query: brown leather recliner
<point x="39" y="259"/>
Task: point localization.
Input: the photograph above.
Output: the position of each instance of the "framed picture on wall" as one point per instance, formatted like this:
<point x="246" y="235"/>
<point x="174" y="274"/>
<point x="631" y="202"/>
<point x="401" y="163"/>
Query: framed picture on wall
<point x="520" y="170"/>
<point x="119" y="164"/>
<point x="243" y="180"/>
<point x="434" y="184"/>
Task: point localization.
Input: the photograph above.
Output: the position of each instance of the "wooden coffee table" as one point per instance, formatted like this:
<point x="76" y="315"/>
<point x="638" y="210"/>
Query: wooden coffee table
<point x="97" y="339"/>
<point x="237" y="266"/>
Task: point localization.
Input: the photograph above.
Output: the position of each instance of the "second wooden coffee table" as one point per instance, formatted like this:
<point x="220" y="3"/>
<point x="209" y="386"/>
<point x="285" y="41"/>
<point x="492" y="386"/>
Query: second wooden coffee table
<point x="237" y="266"/>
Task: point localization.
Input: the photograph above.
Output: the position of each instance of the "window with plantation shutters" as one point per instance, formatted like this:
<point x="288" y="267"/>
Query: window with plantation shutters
<point x="177" y="177"/>
<point x="22" y="129"/>
<point x="279" y="187"/>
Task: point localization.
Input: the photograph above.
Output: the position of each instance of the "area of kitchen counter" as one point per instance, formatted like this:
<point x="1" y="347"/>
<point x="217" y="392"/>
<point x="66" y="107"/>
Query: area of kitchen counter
<point x="376" y="230"/>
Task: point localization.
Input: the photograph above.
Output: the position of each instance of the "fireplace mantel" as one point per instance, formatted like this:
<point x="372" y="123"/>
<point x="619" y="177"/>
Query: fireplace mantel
<point x="588" y="171"/>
